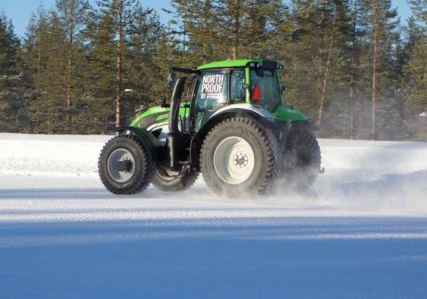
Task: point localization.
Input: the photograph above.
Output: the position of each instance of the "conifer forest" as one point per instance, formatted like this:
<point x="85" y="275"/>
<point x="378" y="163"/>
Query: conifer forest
<point x="84" y="67"/>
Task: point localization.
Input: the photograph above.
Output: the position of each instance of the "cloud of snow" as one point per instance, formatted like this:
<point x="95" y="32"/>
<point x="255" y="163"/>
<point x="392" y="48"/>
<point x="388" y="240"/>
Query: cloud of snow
<point x="366" y="176"/>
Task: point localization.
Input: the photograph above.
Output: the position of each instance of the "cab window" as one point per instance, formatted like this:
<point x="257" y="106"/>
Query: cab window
<point x="237" y="86"/>
<point x="265" y="89"/>
<point x="212" y="89"/>
<point x="215" y="89"/>
<point x="212" y="93"/>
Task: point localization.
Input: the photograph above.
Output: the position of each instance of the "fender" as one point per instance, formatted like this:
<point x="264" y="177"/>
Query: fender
<point x="297" y="119"/>
<point x="236" y="110"/>
<point x="258" y="111"/>
<point x="148" y="139"/>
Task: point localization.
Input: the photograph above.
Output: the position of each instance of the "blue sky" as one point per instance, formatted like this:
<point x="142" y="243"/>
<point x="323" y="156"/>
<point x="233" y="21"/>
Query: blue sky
<point x="19" y="11"/>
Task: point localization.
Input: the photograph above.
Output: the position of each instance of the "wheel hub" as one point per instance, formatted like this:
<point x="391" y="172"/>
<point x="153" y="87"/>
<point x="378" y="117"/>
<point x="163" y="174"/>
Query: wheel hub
<point x="124" y="166"/>
<point x="234" y="160"/>
<point x="241" y="160"/>
<point x="121" y="165"/>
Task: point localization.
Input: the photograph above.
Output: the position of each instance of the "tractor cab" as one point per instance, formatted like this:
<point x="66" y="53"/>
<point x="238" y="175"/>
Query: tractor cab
<point x="229" y="82"/>
<point x="240" y="85"/>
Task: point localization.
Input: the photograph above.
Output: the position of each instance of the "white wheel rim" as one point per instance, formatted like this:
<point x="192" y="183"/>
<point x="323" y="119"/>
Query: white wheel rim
<point x="234" y="160"/>
<point x="120" y="156"/>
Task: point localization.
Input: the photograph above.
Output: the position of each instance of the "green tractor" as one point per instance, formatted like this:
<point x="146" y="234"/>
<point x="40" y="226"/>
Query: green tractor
<point x="226" y="119"/>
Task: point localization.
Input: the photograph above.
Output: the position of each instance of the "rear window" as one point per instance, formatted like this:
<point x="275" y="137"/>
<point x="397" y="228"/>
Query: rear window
<point x="268" y="86"/>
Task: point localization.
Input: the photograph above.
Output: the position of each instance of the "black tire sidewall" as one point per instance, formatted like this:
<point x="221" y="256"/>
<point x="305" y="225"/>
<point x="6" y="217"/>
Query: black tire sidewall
<point x="307" y="160"/>
<point x="143" y="166"/>
<point x="308" y="151"/>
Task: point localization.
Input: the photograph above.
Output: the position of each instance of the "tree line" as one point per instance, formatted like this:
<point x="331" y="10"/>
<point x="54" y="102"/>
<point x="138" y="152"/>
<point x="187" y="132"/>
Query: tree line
<point x="84" y="67"/>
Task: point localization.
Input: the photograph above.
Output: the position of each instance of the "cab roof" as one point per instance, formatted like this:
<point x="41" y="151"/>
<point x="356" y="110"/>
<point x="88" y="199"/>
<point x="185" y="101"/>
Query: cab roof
<point x="240" y="63"/>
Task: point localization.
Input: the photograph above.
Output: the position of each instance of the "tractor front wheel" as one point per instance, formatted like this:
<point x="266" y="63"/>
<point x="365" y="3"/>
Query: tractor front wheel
<point x="125" y="165"/>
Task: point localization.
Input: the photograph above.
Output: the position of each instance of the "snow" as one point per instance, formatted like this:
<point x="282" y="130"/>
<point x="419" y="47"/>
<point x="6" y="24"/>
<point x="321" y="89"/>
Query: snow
<point x="361" y="232"/>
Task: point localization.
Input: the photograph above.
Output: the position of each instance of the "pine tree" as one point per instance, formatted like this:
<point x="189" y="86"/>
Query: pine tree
<point x="144" y="68"/>
<point x="417" y="56"/>
<point x="197" y="20"/>
<point x="259" y="28"/>
<point x="334" y="26"/>
<point x="382" y="23"/>
<point x="10" y="100"/>
<point x="357" y="34"/>
<point x="121" y="36"/>
<point x="45" y="62"/>
<point x="316" y="51"/>
<point x="35" y="56"/>
<point x="230" y="29"/>
<point x="417" y="99"/>
<point x="72" y="15"/>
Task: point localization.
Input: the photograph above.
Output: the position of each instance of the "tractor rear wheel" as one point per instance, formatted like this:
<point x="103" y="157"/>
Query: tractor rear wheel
<point x="239" y="156"/>
<point x="302" y="159"/>
<point x="125" y="165"/>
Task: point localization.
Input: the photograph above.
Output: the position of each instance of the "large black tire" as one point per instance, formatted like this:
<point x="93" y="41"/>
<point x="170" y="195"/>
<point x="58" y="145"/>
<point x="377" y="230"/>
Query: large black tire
<point x="239" y="156"/>
<point x="165" y="181"/>
<point x="302" y="159"/>
<point x="125" y="165"/>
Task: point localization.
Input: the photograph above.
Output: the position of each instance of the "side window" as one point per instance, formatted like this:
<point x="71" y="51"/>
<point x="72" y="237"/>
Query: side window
<point x="237" y="86"/>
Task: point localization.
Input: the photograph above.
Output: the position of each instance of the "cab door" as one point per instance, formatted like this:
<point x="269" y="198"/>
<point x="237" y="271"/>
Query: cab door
<point x="216" y="89"/>
<point x="211" y="94"/>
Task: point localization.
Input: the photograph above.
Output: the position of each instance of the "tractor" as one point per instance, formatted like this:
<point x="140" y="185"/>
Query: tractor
<point x="226" y="120"/>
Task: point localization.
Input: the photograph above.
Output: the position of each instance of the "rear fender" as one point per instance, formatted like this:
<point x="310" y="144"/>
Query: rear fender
<point x="244" y="109"/>
<point x="297" y="119"/>
<point x="237" y="110"/>
<point x="241" y="110"/>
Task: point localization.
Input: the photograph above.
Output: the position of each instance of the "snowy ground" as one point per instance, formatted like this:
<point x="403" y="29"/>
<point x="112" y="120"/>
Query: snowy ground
<point x="360" y="233"/>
